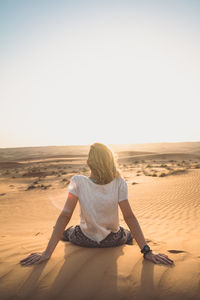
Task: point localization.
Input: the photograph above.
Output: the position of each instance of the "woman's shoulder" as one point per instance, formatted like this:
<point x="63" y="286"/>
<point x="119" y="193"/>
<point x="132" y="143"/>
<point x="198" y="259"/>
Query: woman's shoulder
<point x="121" y="179"/>
<point x="78" y="177"/>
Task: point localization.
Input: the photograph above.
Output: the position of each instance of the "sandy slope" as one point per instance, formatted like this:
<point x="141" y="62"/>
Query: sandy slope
<point x="168" y="210"/>
<point x="33" y="189"/>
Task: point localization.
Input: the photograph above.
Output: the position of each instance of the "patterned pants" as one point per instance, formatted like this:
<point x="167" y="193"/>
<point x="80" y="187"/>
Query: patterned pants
<point x="75" y="235"/>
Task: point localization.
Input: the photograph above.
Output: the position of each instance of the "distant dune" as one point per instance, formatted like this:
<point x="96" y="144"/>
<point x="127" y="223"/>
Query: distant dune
<point x="28" y="153"/>
<point x="183" y="147"/>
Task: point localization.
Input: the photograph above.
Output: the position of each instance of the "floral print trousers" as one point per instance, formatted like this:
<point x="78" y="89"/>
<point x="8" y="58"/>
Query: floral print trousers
<point x="75" y="235"/>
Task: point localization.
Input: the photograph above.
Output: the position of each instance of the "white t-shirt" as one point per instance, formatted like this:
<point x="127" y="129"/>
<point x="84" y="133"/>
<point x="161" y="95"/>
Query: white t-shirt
<point x="98" y="205"/>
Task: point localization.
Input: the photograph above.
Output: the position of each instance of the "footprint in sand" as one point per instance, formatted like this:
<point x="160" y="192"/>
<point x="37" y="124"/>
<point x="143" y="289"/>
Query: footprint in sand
<point x="176" y="251"/>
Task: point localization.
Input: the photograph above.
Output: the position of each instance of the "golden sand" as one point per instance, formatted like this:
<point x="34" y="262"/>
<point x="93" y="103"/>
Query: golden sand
<point x="167" y="208"/>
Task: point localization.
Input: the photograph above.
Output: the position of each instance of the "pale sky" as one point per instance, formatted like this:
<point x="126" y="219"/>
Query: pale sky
<point x="76" y="72"/>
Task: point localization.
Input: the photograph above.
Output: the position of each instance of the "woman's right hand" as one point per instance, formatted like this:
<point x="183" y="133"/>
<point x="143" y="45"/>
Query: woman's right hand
<point x="35" y="258"/>
<point x="159" y="258"/>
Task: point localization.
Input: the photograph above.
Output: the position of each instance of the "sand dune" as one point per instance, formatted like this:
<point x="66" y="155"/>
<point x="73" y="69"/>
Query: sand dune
<point x="167" y="208"/>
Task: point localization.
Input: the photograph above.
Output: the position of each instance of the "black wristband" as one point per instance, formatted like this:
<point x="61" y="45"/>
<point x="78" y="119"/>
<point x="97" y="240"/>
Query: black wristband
<point x="145" y="249"/>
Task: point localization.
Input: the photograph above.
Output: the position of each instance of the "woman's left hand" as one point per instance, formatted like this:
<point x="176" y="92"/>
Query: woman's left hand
<point x="34" y="258"/>
<point x="158" y="258"/>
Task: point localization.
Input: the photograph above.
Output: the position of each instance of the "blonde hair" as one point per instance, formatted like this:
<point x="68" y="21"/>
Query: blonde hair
<point x="102" y="163"/>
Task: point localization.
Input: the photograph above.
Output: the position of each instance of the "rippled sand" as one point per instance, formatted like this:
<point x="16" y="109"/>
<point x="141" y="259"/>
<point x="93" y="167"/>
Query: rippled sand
<point x="168" y="210"/>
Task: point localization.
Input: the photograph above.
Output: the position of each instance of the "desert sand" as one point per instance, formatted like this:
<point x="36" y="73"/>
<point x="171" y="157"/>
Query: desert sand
<point x="164" y="193"/>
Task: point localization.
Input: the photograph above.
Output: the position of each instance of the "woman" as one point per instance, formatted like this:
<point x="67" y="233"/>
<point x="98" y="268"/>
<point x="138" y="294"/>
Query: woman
<point x="99" y="196"/>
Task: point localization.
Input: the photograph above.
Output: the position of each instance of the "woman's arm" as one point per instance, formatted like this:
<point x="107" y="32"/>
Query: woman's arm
<point x="132" y="223"/>
<point x="62" y="221"/>
<point x="136" y="231"/>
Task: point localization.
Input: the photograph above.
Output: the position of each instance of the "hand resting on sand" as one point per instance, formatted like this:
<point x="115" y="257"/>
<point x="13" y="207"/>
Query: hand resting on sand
<point x="35" y="258"/>
<point x="159" y="258"/>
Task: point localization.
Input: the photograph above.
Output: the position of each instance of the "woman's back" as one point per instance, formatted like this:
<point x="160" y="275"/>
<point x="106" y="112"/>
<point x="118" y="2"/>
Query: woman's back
<point x="98" y="205"/>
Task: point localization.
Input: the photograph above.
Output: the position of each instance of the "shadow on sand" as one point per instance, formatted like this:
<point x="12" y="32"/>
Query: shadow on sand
<point x="83" y="274"/>
<point x="90" y="273"/>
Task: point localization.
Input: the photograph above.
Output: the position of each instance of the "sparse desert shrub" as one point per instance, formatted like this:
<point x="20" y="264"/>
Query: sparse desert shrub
<point x="30" y="187"/>
<point x="47" y="186"/>
<point x="65" y="180"/>
<point x="197" y="167"/>
<point x="163" y="166"/>
<point x="134" y="183"/>
<point x="44" y="187"/>
<point x="34" y="174"/>
<point x="162" y="174"/>
<point x="34" y="185"/>
<point x="168" y="168"/>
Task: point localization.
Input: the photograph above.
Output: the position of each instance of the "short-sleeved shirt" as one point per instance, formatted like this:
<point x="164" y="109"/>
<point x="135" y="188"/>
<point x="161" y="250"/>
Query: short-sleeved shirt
<point x="98" y="205"/>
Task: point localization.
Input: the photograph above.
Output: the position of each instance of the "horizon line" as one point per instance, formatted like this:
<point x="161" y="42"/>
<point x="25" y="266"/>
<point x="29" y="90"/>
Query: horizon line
<point x="80" y="145"/>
